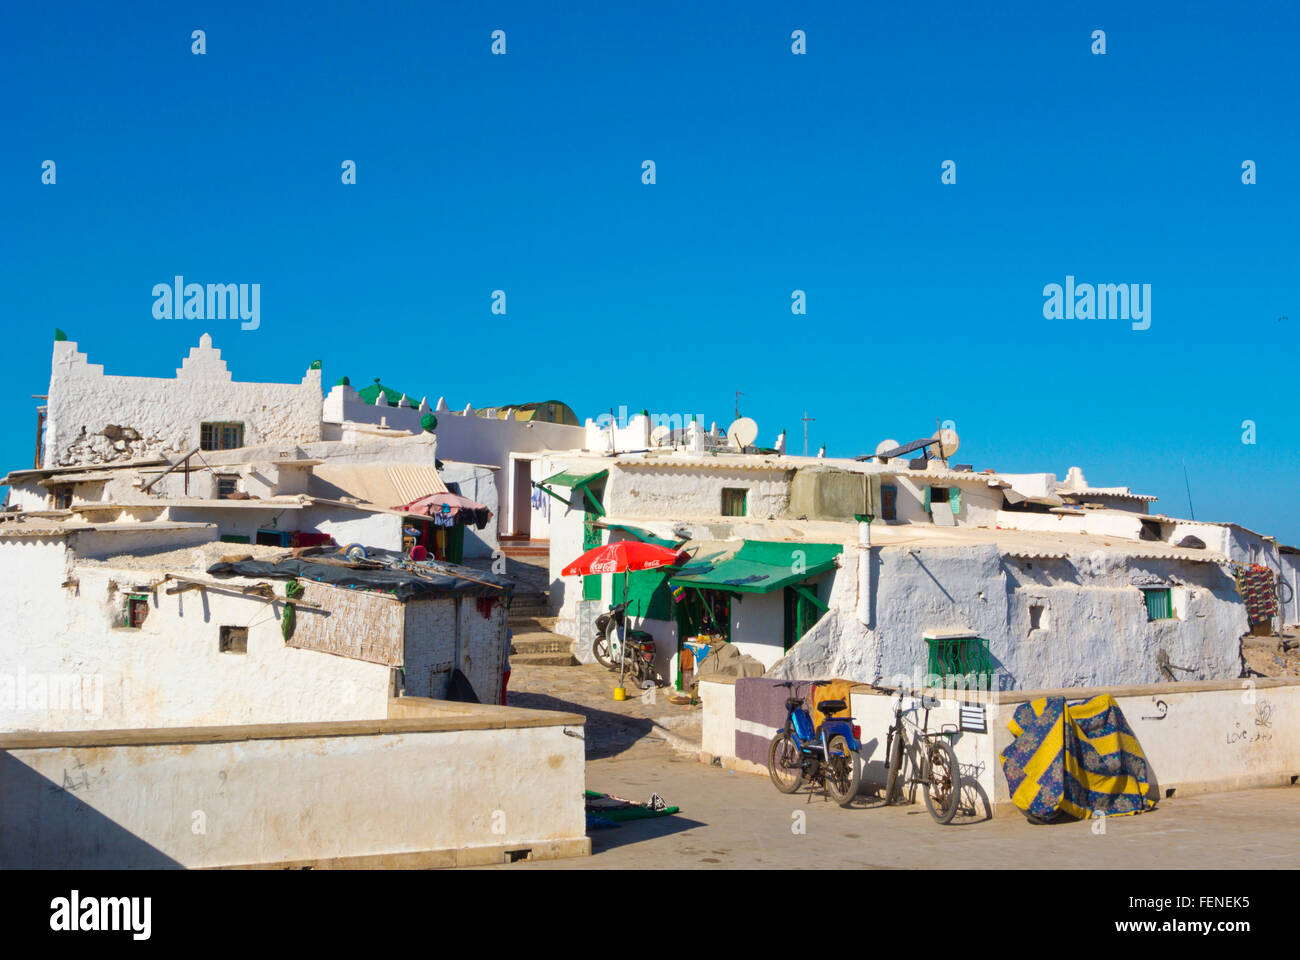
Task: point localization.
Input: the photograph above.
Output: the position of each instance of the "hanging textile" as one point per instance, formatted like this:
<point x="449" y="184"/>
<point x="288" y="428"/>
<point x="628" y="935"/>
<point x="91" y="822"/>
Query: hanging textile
<point x="1256" y="585"/>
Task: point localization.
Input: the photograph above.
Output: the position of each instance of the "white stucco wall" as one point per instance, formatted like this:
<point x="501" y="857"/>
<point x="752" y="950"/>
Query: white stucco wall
<point x="480" y="485"/>
<point x="383" y="530"/>
<point x="1197" y="737"/>
<point x="169" y="672"/>
<point x="451" y="632"/>
<point x="1290" y="569"/>
<point x="758" y="626"/>
<point x="378" y="795"/>
<point x="466" y="439"/>
<point x="97" y="418"/>
<point x="692" y="492"/>
<point x="1098" y="630"/>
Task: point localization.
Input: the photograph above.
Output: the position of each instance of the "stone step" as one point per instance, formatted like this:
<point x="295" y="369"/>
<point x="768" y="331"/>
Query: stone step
<point x="542" y="660"/>
<point x="528" y="643"/>
<point x="521" y="625"/>
<point x="530" y="613"/>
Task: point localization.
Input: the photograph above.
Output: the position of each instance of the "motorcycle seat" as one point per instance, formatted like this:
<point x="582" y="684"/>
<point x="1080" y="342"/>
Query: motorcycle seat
<point x="831" y="706"/>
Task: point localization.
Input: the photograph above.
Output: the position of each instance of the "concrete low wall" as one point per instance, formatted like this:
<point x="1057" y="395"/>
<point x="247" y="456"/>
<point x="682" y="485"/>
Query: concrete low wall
<point x="1198" y="737"/>
<point x="438" y="784"/>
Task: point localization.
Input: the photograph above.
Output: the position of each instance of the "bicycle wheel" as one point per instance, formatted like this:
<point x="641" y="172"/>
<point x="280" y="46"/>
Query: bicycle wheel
<point x="942" y="780"/>
<point x="895" y="765"/>
<point x="785" y="763"/>
<point x="843" y="772"/>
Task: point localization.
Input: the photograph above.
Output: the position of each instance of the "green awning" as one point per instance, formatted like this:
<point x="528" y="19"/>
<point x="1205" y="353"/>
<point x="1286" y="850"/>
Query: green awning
<point x="759" y="566"/>
<point x="567" y="479"/>
<point x="645" y="536"/>
<point x="575" y="481"/>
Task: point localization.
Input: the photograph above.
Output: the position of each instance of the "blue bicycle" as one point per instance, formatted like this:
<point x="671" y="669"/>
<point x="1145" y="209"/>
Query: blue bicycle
<point x="800" y="753"/>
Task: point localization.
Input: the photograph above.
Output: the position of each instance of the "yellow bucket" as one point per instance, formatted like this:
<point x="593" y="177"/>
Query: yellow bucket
<point x="620" y="693"/>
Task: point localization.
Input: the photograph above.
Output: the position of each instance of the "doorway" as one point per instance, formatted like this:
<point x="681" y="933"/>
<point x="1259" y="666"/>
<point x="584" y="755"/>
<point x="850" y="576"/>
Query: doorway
<point x="521" y="499"/>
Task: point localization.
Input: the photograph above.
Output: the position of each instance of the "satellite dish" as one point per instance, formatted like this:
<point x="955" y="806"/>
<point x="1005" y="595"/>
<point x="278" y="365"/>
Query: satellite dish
<point x="742" y="433"/>
<point x="948" y="442"/>
<point x="660" y="434"/>
<point x="884" y="445"/>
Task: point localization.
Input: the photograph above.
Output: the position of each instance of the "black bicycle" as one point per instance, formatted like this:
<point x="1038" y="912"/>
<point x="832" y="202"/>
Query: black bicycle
<point x="935" y="767"/>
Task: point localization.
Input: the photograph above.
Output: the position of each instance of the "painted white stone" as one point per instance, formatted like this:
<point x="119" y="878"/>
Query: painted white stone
<point x="91" y="413"/>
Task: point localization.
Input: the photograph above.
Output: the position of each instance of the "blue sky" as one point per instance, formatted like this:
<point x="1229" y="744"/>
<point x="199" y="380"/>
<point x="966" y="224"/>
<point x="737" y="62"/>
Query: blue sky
<point x="775" y="172"/>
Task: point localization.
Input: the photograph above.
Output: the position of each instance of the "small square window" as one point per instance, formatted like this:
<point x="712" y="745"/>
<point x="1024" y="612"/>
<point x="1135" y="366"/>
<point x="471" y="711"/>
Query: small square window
<point x="137" y="608"/>
<point x="1037" y="617"/>
<point x="227" y="487"/>
<point x="938" y="494"/>
<point x="234" y="640"/>
<point x="1159" y="603"/>
<point x="62" y="497"/>
<point x="734" y="502"/>
<point x="221" y="436"/>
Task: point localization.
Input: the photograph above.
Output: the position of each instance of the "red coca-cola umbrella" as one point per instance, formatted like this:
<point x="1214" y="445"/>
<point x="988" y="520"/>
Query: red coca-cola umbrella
<point x="621" y="557"/>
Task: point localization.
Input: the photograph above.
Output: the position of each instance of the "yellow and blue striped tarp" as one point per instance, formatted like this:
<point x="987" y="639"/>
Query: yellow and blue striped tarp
<point x="1079" y="759"/>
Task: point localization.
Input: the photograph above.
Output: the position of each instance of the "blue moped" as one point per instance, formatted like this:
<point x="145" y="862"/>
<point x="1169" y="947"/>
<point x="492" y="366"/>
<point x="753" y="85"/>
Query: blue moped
<point x="830" y="756"/>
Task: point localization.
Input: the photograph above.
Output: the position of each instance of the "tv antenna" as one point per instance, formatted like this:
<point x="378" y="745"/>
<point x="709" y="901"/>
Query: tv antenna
<point x="806" y="420"/>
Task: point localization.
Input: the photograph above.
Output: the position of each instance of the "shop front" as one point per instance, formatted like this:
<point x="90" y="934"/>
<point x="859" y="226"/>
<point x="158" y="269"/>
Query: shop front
<point x="761" y="597"/>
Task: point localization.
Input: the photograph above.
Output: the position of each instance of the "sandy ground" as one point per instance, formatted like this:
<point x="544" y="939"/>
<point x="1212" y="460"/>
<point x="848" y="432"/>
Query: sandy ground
<point x="644" y="725"/>
<point x="1266" y="655"/>
<point x="739" y="820"/>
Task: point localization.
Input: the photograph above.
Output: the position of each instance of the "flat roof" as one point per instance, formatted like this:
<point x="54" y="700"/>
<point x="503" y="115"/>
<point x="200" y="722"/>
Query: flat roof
<point x="1020" y="543"/>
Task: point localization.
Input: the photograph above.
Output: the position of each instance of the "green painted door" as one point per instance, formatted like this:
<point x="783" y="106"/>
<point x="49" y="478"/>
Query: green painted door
<point x="800" y="614"/>
<point x="590" y="538"/>
<point x="456" y="544"/>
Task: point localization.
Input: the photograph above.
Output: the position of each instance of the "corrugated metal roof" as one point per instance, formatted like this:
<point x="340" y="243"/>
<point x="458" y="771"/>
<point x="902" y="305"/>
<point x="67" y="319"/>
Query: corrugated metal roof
<point x="384" y="485"/>
<point x="1189" y="556"/>
<point x="415" y="482"/>
<point x="709" y="464"/>
<point x="1119" y="493"/>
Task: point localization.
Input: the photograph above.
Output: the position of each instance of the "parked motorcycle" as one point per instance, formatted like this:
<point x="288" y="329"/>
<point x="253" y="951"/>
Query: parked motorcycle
<point x="829" y="755"/>
<point x="618" y="648"/>
<point x="607" y="647"/>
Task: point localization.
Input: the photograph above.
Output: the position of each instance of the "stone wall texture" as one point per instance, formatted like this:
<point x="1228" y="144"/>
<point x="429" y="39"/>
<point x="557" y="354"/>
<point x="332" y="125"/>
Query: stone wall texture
<point x="95" y="418"/>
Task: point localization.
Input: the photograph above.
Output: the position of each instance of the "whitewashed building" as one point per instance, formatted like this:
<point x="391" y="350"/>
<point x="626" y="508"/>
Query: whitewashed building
<point x="1021" y="580"/>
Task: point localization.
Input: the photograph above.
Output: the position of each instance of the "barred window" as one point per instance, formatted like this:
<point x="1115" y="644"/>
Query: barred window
<point x="221" y="436"/>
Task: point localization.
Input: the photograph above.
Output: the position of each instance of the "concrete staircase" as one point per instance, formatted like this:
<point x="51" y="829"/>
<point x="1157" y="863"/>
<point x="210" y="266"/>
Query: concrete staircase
<point x="534" y="641"/>
<point x="528" y="551"/>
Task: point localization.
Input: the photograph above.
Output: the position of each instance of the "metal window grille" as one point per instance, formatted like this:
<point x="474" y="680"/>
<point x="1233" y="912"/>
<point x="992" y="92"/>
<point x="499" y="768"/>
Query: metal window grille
<point x="960" y="657"/>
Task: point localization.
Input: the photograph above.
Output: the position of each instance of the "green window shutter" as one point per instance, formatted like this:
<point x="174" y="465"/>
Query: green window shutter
<point x="954" y="500"/>
<point x="1158" y="604"/>
<point x="927" y="499"/>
